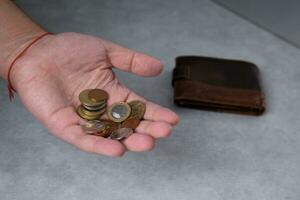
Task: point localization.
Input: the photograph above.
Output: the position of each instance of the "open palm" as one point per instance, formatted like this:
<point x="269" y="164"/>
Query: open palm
<point x="52" y="73"/>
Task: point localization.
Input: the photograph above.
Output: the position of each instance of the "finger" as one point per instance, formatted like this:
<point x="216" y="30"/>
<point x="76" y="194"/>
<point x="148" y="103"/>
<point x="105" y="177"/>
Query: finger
<point x="154" y="129"/>
<point x="132" y="61"/>
<point x="139" y="142"/>
<point x="154" y="111"/>
<point x="72" y="133"/>
<point x="92" y="144"/>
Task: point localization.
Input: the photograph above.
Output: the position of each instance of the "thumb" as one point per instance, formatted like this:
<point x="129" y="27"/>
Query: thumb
<point x="132" y="61"/>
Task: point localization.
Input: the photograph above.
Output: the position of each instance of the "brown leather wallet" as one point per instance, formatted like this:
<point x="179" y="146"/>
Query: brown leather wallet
<point x="218" y="84"/>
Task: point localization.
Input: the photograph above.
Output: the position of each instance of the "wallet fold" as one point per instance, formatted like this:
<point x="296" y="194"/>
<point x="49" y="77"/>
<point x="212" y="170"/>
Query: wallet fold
<point x="218" y="84"/>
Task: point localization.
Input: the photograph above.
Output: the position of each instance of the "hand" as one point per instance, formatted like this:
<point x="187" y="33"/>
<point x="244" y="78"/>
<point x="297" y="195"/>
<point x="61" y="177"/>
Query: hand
<point x="52" y="73"/>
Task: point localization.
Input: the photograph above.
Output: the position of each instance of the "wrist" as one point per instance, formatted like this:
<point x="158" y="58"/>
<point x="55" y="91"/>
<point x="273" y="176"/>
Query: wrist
<point x="11" y="49"/>
<point x="17" y="30"/>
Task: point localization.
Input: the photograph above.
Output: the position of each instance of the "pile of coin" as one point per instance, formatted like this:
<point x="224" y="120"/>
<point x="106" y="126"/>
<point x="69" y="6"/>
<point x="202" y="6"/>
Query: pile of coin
<point x="123" y="117"/>
<point x="93" y="103"/>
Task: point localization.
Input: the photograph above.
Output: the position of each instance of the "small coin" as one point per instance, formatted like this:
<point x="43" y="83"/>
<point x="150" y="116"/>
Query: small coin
<point x="131" y="123"/>
<point x="118" y="112"/>
<point x="110" y="127"/>
<point x="93" y="126"/>
<point x="97" y="95"/>
<point x="85" y="116"/>
<point x="121" y="133"/>
<point x="138" y="109"/>
<point x="85" y="100"/>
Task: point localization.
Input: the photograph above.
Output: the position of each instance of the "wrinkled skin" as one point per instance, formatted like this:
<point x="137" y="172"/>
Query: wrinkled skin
<point x="52" y="73"/>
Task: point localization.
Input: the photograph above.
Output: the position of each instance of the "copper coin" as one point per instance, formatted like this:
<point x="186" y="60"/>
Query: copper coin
<point x="97" y="95"/>
<point x="131" y="123"/>
<point x="121" y="133"/>
<point x="138" y="109"/>
<point x="118" y="112"/>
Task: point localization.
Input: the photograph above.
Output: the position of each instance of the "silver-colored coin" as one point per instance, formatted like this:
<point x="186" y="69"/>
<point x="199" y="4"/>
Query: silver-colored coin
<point x="121" y="133"/>
<point x="118" y="112"/>
<point x="93" y="126"/>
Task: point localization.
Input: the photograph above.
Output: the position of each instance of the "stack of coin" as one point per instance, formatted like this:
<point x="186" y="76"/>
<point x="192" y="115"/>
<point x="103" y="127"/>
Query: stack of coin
<point x="123" y="117"/>
<point x="93" y="104"/>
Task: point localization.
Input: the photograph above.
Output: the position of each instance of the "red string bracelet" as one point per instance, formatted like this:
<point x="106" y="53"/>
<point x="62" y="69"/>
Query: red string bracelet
<point x="10" y="87"/>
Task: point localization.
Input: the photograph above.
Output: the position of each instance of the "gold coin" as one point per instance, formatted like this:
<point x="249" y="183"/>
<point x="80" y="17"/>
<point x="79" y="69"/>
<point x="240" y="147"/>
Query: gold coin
<point x="138" y="109"/>
<point x="83" y="96"/>
<point x="85" y="116"/>
<point x="118" y="112"/>
<point x="131" y="123"/>
<point x="97" y="95"/>
<point x="85" y="100"/>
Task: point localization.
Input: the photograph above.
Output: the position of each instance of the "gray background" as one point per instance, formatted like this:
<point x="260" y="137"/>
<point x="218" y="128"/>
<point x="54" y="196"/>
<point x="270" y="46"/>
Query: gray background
<point x="280" y="17"/>
<point x="210" y="155"/>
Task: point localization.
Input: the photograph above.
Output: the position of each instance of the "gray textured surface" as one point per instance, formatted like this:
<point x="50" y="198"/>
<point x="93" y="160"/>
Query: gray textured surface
<point x="281" y="17"/>
<point x="210" y="155"/>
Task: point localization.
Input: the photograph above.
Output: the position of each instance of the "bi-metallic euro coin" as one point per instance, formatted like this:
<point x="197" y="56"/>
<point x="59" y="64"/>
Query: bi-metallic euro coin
<point x="118" y="112"/>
